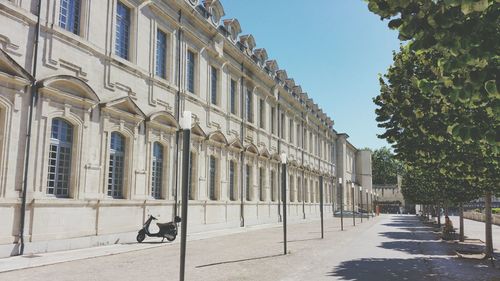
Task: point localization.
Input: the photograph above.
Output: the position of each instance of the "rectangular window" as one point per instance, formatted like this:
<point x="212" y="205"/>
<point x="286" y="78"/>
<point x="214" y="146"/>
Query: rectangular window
<point x="213" y="174"/>
<point x="161" y="54"/>
<point x="249" y="103"/>
<point x="262" y="113"/>
<point x="299" y="189"/>
<point x="248" y="175"/>
<point x="290" y="131"/>
<point x="122" y="30"/>
<point x="298" y="135"/>
<point x="69" y="15"/>
<point x="273" y="120"/>
<point x="292" y="189"/>
<point x="192" y="178"/>
<point x="190" y="71"/>
<point x="233" y="96"/>
<point x="213" y="85"/>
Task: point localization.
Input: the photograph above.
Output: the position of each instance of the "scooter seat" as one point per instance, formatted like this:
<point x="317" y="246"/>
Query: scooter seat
<point x="161" y="225"/>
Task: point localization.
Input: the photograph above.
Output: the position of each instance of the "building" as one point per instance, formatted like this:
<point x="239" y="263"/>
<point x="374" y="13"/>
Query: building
<point x="89" y="114"/>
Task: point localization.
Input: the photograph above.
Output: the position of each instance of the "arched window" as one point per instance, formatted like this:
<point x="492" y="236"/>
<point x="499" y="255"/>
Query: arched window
<point x="248" y="181"/>
<point x="116" y="165"/>
<point x="299" y="189"/>
<point x="213" y="178"/>
<point x="232" y="181"/>
<point x="262" y="180"/>
<point x="192" y="176"/>
<point x="61" y="142"/>
<point x="157" y="171"/>
<point x="273" y="185"/>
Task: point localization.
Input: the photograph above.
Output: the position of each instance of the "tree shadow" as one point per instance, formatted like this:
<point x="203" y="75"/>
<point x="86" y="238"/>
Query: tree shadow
<point x="408" y="236"/>
<point x="418" y="247"/>
<point x="414" y="269"/>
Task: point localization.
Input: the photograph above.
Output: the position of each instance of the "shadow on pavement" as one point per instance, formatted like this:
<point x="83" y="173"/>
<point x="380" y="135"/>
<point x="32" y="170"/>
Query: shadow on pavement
<point x="236" y="261"/>
<point x="417" y="247"/>
<point x="408" y="236"/>
<point x="383" y="269"/>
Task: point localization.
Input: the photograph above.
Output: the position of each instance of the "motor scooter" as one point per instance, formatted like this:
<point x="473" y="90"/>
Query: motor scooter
<point x="166" y="230"/>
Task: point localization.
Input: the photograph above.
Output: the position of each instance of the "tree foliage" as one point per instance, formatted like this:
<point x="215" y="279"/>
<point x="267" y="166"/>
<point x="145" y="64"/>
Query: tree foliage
<point x="385" y="167"/>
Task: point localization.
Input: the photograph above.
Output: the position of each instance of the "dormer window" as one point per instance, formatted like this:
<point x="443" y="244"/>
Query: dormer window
<point x="215" y="16"/>
<point x="233" y="27"/>
<point x="216" y="10"/>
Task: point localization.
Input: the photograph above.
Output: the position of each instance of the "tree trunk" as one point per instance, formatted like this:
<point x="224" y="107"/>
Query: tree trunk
<point x="489" y="238"/>
<point x="438" y="213"/>
<point x="462" y="236"/>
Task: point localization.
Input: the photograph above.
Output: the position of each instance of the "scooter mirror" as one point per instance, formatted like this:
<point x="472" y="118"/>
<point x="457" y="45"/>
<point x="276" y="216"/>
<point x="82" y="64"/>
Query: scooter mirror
<point x="177" y="219"/>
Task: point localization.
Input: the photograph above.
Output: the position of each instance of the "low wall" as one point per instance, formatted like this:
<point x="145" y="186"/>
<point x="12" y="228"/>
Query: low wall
<point x="481" y="217"/>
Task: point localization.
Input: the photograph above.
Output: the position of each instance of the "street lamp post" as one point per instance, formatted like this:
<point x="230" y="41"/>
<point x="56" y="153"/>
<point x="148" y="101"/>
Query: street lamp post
<point x="361" y="202"/>
<point x="321" y="203"/>
<point x="186" y="138"/>
<point x="283" y="196"/>
<point x="353" y="210"/>
<point x="341" y="205"/>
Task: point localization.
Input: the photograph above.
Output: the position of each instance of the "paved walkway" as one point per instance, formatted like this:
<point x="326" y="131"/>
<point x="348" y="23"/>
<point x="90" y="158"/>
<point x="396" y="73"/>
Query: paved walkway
<point x="389" y="247"/>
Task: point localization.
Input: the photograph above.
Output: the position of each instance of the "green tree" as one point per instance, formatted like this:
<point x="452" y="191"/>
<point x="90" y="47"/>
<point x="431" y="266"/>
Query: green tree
<point x="440" y="104"/>
<point x="385" y="167"/>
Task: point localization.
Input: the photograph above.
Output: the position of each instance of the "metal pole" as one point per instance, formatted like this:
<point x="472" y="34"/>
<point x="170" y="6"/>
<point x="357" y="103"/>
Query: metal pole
<point x="353" y="214"/>
<point x="367" y="213"/>
<point x="283" y="196"/>
<point x="341" y="207"/>
<point x="321" y="204"/>
<point x="361" y="204"/>
<point x="186" y="137"/>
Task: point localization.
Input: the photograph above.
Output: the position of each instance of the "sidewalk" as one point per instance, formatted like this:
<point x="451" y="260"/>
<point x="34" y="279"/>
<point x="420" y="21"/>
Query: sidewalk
<point x="30" y="260"/>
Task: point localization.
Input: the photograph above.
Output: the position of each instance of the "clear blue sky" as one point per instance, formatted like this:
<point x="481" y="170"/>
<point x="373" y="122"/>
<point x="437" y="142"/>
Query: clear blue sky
<point x="334" y="49"/>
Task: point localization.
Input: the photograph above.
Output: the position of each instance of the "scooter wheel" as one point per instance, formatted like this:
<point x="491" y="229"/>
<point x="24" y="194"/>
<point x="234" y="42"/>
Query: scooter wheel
<point x="140" y="237"/>
<point x="170" y="238"/>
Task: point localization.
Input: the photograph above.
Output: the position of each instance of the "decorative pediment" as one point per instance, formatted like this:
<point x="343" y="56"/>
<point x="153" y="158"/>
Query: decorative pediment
<point x="272" y="65"/>
<point x="248" y="41"/>
<point x="290" y="83"/>
<point x="261" y="56"/>
<point x="282" y="75"/>
<point x="198" y="131"/>
<point x="297" y="89"/>
<point x="11" y="70"/>
<point x="163" y="118"/>
<point x="233" y="27"/>
<point x="214" y="7"/>
<point x="251" y="148"/>
<point x="265" y="153"/>
<point x="68" y="87"/>
<point x="236" y="144"/>
<point x="217" y="137"/>
<point x="124" y="105"/>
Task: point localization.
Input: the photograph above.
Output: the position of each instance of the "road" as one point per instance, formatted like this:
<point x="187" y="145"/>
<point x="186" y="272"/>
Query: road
<point x="387" y="248"/>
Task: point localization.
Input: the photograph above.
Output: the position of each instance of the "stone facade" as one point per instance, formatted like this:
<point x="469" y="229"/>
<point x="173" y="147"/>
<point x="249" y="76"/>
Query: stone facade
<point x="111" y="82"/>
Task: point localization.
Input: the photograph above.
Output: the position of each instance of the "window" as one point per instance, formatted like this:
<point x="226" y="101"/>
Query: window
<point x="213" y="178"/>
<point x="213" y="85"/>
<point x="299" y="189"/>
<point x="283" y="125"/>
<point x="273" y="120"/>
<point x="69" y="15"/>
<point x="292" y="189"/>
<point x="61" y="142"/>
<point x="122" y="30"/>
<point x="290" y="131"/>
<point x="233" y="96"/>
<point x="262" y="180"/>
<point x="249" y="104"/>
<point x="190" y="71"/>
<point x="311" y="142"/>
<point x="157" y="170"/>
<point x="116" y="165"/>
<point x="298" y="135"/>
<point x="232" y="181"/>
<point x="273" y="186"/>
<point x="192" y="176"/>
<point x="262" y="113"/>
<point x="161" y="54"/>
<point x="248" y="175"/>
